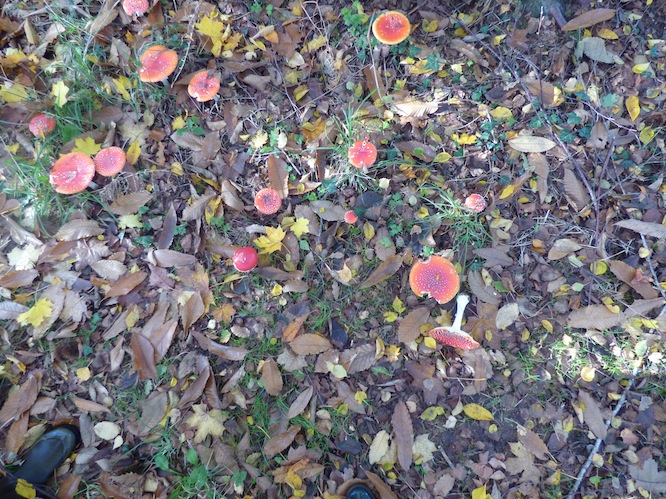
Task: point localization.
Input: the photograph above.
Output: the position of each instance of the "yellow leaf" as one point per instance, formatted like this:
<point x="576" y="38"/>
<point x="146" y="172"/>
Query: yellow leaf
<point x="501" y="113"/>
<point x="271" y="242"/>
<point x="498" y="39"/>
<point x="12" y="148"/>
<point x="86" y="146"/>
<point x="25" y="489"/>
<point x="392" y="353"/>
<point x="41" y="310"/>
<point x="311" y="131"/>
<point x="300" y="92"/>
<point x="464" y="139"/>
<point x="647" y="134"/>
<point x="129" y="221"/>
<point x="122" y="84"/>
<point x="507" y="191"/>
<point x="207" y="423"/>
<point x="430" y="342"/>
<point x="633" y="106"/>
<point x="607" y="34"/>
<point x="211" y="208"/>
<point x="83" y="374"/>
<point x="368" y="231"/>
<point x="641" y="68"/>
<point x="431" y="413"/>
<point x="430" y="26"/>
<point x="277" y="290"/>
<point x="59" y="92"/>
<point x="360" y="396"/>
<point x="178" y="123"/>
<point x="300" y="226"/>
<point x="315" y="44"/>
<point x="14" y="92"/>
<point x="423" y="212"/>
<point x="133" y="153"/>
<point x="442" y="157"/>
<point x="475" y="411"/>
<point x="260" y="139"/>
<point x="587" y="373"/>
<point x="479" y="493"/>
<point x="547" y="325"/>
<point x="215" y="29"/>
<point x="398" y="305"/>
<point x="390" y="316"/>
<point x="599" y="267"/>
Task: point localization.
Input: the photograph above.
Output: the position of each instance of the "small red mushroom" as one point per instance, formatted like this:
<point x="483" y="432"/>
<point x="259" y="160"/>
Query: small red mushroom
<point x="72" y="173"/>
<point x="453" y="335"/>
<point x="157" y="63"/>
<point x="436" y="277"/>
<point x="350" y="217"/>
<point x="267" y="201"/>
<point x="391" y="27"/>
<point x="135" y="7"/>
<point x="362" y="153"/>
<point x="475" y="202"/>
<point x="203" y="86"/>
<point x="41" y="125"/>
<point x="109" y="161"/>
<point x="245" y="259"/>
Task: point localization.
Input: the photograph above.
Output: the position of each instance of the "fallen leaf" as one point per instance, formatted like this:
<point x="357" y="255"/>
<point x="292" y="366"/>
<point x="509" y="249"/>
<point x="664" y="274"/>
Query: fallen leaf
<point x="592" y="414"/>
<point x="270" y="375"/>
<point x="22" y="399"/>
<point x="300" y="403"/>
<point x="403" y="434"/>
<point x="281" y="441"/>
<point x="207" y="423"/>
<point x="410" y="327"/>
<point x="531" y="143"/>
<point x="648" y="476"/>
<point x="480" y="413"/>
<point x="378" y="447"/>
<point x="383" y="271"/>
<point x="309" y="343"/>
<point x="589" y="18"/>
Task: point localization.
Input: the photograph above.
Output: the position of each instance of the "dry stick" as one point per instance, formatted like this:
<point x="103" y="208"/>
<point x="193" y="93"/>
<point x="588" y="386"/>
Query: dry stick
<point x="588" y="462"/>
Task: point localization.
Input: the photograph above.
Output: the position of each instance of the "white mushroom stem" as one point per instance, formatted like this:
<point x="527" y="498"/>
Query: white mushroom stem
<point x="461" y="303"/>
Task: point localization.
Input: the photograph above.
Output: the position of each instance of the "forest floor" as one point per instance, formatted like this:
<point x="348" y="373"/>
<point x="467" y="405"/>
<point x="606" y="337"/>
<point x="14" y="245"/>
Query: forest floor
<point x="121" y="310"/>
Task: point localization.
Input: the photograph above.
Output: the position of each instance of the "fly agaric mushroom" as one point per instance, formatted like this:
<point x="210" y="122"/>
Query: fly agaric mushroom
<point x="475" y="202"/>
<point x="391" y="27"/>
<point x="72" y="173"/>
<point x="245" y="258"/>
<point x="436" y="277"/>
<point x="110" y="161"/>
<point x="135" y="7"/>
<point x="157" y="63"/>
<point x="41" y="125"/>
<point x="453" y="335"/>
<point x="203" y="86"/>
<point x="267" y="201"/>
<point x="350" y="217"/>
<point x="362" y="153"/>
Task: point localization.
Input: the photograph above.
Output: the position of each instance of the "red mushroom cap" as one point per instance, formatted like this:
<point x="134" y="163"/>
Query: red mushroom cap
<point x="110" y="161"/>
<point x="267" y="201"/>
<point x="362" y="153"/>
<point x="391" y="27"/>
<point x="350" y="217"/>
<point x="475" y="202"/>
<point x="41" y="125"/>
<point x="245" y="258"/>
<point x="203" y="86"/>
<point x="436" y="277"/>
<point x="72" y="173"/>
<point x="453" y="338"/>
<point x="135" y="7"/>
<point x="157" y="63"/>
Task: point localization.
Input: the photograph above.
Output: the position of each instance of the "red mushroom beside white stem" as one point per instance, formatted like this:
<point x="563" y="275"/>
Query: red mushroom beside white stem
<point x="453" y="335"/>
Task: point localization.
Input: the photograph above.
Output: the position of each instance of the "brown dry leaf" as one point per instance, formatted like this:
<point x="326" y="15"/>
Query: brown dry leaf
<point x="170" y="258"/>
<point x="161" y="338"/>
<point x="192" y="311"/>
<point x="531" y="143"/>
<point x="126" y="284"/>
<point x="485" y="293"/>
<point x="278" y="176"/>
<point x="195" y="211"/>
<point x="78" y="229"/>
<point x="207" y="422"/>
<point x="541" y="167"/>
<point x="143" y="355"/>
<point x="410" y="327"/>
<point x="89" y="405"/>
<point x="300" y="403"/>
<point x="294" y="327"/>
<point x="648" y="476"/>
<point x="575" y="189"/>
<point x="22" y="399"/>
<point x="544" y="91"/>
<point x="507" y="315"/>
<point x="414" y="108"/>
<point x="111" y="270"/>
<point x="361" y="358"/>
<point x="592" y="414"/>
<point x="68" y="487"/>
<point x="309" y="343"/>
<point x="383" y="271"/>
<point x="153" y="410"/>
<point x="168" y="229"/>
<point x="522" y="463"/>
<point x="589" y="18"/>
<point x="281" y="441"/>
<point x="223" y="351"/>
<point x="384" y="490"/>
<point x="635" y="278"/>
<point x="129" y="204"/>
<point x="403" y="434"/>
<point x="646" y="228"/>
<point x="18" y="278"/>
<point x="484" y="325"/>
<point x="16" y="435"/>
<point x="594" y="317"/>
<point x="328" y="210"/>
<point x="272" y="378"/>
<point x="533" y="443"/>
<point x="56" y="295"/>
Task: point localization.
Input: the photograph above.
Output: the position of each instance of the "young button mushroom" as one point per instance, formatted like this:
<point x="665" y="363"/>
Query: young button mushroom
<point x="157" y="63"/>
<point x="41" y="125"/>
<point x="245" y="259"/>
<point x="391" y="27"/>
<point x="109" y="161"/>
<point x="72" y="173"/>
<point x="351" y="217"/>
<point x="135" y="7"/>
<point x="436" y="277"/>
<point x="203" y="86"/>
<point x="475" y="202"/>
<point x="453" y="336"/>
<point x="362" y="153"/>
<point x="267" y="201"/>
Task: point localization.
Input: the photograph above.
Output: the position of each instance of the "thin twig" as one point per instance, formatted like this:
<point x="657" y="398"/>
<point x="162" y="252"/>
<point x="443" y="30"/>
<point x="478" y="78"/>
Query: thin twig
<point x="597" y="445"/>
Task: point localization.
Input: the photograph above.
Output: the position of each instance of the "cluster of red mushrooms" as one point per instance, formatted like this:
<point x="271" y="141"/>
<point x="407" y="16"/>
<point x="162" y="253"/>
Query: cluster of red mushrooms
<point x="436" y="277"/>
